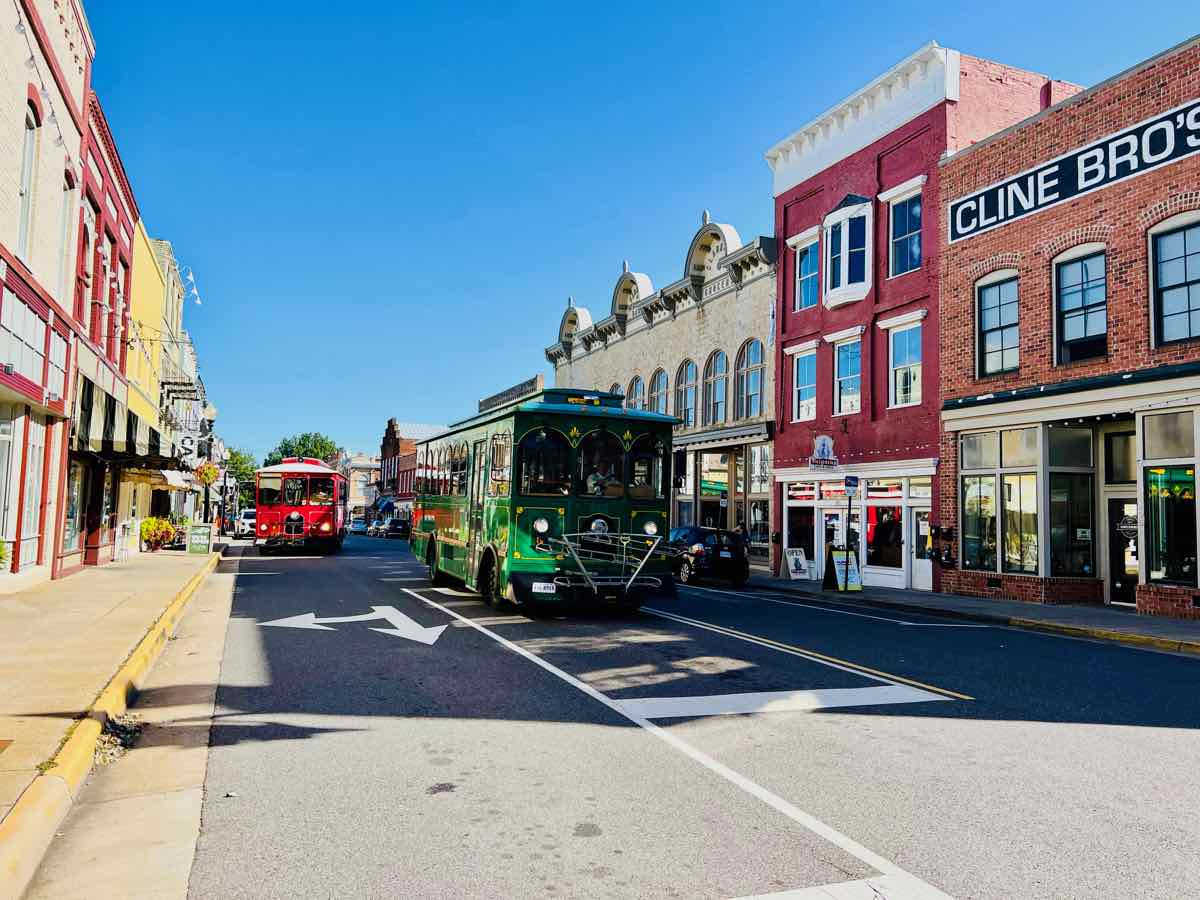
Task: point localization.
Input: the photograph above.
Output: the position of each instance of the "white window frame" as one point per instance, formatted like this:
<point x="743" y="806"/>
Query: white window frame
<point x="898" y="194"/>
<point x="847" y="293"/>
<point x="69" y="215"/>
<point x="799" y="352"/>
<point x="1180" y="220"/>
<point x="798" y="243"/>
<point x="30" y="145"/>
<point x="838" y="339"/>
<point x="892" y="326"/>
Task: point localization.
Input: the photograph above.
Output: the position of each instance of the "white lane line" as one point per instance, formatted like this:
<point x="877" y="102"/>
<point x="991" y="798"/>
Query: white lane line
<point x="401" y="579"/>
<point x="774" y="701"/>
<point x="813" y="655"/>
<point x="883" y="887"/>
<point x="840" y="612"/>
<point x="460" y="603"/>
<point x="453" y="593"/>
<point x="784" y="807"/>
<point x="494" y="620"/>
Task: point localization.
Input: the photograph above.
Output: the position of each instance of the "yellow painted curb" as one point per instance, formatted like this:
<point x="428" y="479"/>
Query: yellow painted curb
<point x="27" y="829"/>
<point x="1106" y="634"/>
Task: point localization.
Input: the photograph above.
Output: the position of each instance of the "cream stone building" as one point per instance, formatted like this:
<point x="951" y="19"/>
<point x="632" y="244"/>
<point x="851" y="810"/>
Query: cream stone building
<point x="696" y="349"/>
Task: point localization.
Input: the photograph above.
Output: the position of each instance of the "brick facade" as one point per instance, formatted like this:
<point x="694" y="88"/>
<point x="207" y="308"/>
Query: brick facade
<point x="1099" y="393"/>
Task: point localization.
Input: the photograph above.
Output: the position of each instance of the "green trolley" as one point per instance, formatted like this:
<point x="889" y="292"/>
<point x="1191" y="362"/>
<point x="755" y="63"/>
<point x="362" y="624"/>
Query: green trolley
<point x="548" y="497"/>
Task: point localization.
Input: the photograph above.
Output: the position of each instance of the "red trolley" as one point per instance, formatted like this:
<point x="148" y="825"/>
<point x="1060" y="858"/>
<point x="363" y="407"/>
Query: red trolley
<point x="301" y="501"/>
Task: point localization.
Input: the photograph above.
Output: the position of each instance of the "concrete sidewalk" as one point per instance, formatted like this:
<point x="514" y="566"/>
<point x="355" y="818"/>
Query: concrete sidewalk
<point x="71" y="652"/>
<point x="1098" y="622"/>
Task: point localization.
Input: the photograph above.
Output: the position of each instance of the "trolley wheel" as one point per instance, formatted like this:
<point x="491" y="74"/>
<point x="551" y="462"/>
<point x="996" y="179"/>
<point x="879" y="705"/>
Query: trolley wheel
<point x="436" y="576"/>
<point x="685" y="571"/>
<point x="489" y="586"/>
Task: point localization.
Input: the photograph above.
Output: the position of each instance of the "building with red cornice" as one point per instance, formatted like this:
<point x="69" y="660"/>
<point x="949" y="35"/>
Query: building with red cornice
<point x="856" y="343"/>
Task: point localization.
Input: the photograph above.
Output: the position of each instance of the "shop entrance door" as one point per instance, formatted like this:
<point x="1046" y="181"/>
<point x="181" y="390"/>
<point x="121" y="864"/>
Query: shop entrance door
<point x="478" y="478"/>
<point x="1122" y="551"/>
<point x="920" y="544"/>
<point x="833" y="534"/>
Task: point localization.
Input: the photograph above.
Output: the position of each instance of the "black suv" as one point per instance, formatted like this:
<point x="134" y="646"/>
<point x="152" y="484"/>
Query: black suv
<point x="709" y="553"/>
<point x="398" y="528"/>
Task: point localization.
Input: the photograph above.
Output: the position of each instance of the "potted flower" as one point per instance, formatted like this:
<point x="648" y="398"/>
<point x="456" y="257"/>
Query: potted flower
<point x="157" y="532"/>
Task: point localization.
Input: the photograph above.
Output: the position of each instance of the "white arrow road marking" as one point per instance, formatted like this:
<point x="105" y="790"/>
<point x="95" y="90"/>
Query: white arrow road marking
<point x="402" y="625"/>
<point x="892" y="887"/>
<point x="773" y="701"/>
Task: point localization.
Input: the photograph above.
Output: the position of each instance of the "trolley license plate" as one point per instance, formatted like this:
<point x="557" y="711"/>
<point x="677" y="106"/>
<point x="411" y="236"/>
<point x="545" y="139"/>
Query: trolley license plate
<point x="726" y="554"/>
<point x="544" y="587"/>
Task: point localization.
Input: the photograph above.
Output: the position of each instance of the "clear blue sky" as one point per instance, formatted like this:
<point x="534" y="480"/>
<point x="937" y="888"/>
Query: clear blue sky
<point x="398" y="198"/>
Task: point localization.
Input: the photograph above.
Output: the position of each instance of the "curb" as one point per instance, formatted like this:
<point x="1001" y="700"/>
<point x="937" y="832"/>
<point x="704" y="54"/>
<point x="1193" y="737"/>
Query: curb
<point x="28" y="828"/>
<point x="1081" y="631"/>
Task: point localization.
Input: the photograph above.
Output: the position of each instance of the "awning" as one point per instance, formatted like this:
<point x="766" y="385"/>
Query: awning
<point x="174" y="479"/>
<point x="386" y="504"/>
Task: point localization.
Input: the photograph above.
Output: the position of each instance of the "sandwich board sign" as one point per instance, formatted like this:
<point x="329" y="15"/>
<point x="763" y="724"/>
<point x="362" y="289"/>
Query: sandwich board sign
<point x="199" y="539"/>
<point x="797" y="563"/>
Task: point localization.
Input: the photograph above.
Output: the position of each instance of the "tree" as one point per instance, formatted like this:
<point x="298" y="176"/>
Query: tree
<point x="311" y="443"/>
<point x="241" y="466"/>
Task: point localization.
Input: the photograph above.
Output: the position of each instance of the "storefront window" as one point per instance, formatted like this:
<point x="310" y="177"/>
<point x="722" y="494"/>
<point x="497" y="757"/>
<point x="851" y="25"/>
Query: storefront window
<point x="647" y="469"/>
<point x="544" y="465"/>
<point x="1020" y="523"/>
<point x="878" y="488"/>
<point x="1171" y="523"/>
<point x="979" y="522"/>
<point x="760" y="469"/>
<point x="269" y="488"/>
<point x="1019" y="447"/>
<point x="1070" y="447"/>
<point x="76" y="492"/>
<point x="683" y="513"/>
<point x="1120" y="463"/>
<point x="758" y="529"/>
<point x="802" y="490"/>
<point x="885" y="536"/>
<point x="834" y="490"/>
<point x="6" y="451"/>
<point x="1169" y="436"/>
<point x="920" y="487"/>
<point x="1071" y="525"/>
<point x="979" y="451"/>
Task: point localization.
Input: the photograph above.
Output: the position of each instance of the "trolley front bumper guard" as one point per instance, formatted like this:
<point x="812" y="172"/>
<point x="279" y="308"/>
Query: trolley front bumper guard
<point x="615" y="548"/>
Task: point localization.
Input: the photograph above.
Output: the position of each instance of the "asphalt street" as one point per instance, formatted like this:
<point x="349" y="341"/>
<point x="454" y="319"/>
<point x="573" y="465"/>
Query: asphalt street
<point x="721" y="744"/>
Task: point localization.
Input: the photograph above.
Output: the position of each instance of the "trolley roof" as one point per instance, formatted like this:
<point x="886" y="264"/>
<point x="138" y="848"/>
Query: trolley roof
<point x="295" y="465"/>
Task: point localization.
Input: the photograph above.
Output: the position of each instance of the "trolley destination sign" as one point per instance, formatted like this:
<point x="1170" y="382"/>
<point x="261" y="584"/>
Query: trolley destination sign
<point x="1155" y="142"/>
<point x="509" y="395"/>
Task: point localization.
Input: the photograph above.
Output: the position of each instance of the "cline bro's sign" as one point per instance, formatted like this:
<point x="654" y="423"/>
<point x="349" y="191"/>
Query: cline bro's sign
<point x="1155" y="142"/>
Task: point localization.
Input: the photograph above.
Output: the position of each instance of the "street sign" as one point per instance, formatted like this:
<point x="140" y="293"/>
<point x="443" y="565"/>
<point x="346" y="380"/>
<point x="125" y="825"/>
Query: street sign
<point x="199" y="539"/>
<point x="851" y="483"/>
<point x="402" y="625"/>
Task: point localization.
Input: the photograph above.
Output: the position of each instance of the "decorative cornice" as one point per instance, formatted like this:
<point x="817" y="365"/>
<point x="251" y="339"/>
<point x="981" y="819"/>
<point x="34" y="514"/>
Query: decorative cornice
<point x="97" y="117"/>
<point x="908" y="318"/>
<point x="845" y="334"/>
<point x="759" y="252"/>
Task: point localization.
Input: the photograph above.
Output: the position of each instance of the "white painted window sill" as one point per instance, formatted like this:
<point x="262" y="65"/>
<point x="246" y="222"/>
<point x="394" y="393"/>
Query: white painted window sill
<point x="841" y="415"/>
<point x="902" y="274"/>
<point x="842" y="296"/>
<point x="904" y="405"/>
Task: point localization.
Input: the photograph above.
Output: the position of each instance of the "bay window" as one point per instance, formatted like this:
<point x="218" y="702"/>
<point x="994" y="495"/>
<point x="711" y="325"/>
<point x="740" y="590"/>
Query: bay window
<point x="847" y="251"/>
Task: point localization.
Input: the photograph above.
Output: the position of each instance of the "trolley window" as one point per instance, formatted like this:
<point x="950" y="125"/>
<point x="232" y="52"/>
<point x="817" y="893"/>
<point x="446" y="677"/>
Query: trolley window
<point x="601" y="466"/>
<point x="268" y="490"/>
<point x="647" y="469"/>
<point x="294" y="490"/>
<point x="544" y="464"/>
<point x="320" y="491"/>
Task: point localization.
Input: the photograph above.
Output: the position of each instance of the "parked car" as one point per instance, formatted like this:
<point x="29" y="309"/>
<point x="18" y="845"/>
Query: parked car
<point x="375" y="529"/>
<point x="398" y="528"/>
<point x="709" y="553"/>
<point x="358" y="526"/>
<point x="243" y="525"/>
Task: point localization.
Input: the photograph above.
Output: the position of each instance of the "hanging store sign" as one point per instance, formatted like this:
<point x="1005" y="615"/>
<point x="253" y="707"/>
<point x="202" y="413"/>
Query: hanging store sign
<point x="822" y="455"/>
<point x="1155" y="142"/>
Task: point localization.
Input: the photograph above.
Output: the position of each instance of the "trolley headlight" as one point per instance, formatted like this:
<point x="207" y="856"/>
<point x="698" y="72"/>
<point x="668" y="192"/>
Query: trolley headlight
<point x="324" y="526"/>
<point x="262" y="527"/>
<point x="540" y="525"/>
<point x="651" y="528"/>
<point x="599" y="526"/>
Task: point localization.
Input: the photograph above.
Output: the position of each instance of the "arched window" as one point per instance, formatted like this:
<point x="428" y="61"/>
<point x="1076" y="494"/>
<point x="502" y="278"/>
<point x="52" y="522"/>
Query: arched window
<point x="544" y="464"/>
<point x="716" y="387"/>
<point x="685" y="393"/>
<point x="29" y="155"/>
<point x="617" y="389"/>
<point x="636" y="398"/>
<point x="748" y="380"/>
<point x="601" y="466"/>
<point x="657" y="398"/>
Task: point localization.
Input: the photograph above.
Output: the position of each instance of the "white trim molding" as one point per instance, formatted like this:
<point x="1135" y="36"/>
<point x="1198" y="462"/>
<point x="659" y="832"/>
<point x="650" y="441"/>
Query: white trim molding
<point x="908" y="318"/>
<point x="917" y="83"/>
<point x="846" y="334"/>
<point x="896" y="469"/>
<point x="903" y="190"/>
<point x="802" y="347"/>
<point x="807" y="236"/>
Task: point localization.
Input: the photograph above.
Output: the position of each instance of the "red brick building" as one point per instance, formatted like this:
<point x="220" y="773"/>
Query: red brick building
<point x="857" y="311"/>
<point x="1070" y="346"/>
<point x="398" y="467"/>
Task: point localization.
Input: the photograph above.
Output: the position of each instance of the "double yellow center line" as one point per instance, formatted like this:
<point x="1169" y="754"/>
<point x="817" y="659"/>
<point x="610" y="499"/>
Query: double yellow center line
<point x="813" y="655"/>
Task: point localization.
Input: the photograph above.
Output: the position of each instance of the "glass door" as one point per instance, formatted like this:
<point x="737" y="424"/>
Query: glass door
<point x="921" y="548"/>
<point x="478" y="480"/>
<point x="1122" y="551"/>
